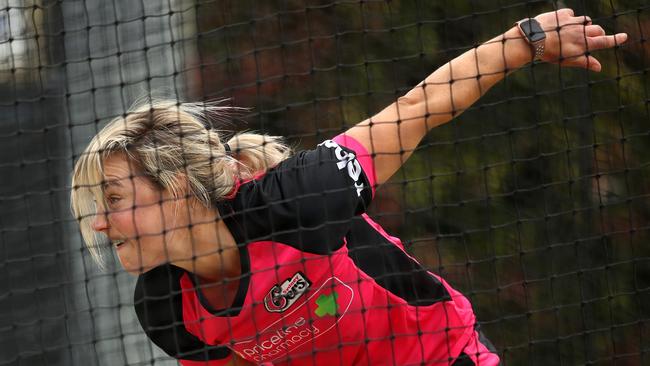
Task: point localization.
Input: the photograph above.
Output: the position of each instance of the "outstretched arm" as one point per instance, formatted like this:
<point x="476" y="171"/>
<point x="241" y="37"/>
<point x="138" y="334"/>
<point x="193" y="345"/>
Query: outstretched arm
<point x="392" y="134"/>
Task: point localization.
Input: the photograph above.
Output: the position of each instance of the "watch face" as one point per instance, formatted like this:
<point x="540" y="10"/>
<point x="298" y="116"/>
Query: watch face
<point x="532" y="30"/>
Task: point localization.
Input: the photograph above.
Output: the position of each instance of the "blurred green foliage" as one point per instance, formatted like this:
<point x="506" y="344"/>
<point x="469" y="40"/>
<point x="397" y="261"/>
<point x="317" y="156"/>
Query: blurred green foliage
<point x="534" y="203"/>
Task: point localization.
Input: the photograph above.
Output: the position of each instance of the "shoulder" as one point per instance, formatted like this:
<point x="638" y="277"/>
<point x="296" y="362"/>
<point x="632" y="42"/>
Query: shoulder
<point x="159" y="306"/>
<point x="305" y="201"/>
<point x="335" y="168"/>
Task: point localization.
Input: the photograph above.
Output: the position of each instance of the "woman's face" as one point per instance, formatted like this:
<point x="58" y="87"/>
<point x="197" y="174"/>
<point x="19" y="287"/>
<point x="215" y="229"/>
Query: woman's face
<point x="138" y="217"/>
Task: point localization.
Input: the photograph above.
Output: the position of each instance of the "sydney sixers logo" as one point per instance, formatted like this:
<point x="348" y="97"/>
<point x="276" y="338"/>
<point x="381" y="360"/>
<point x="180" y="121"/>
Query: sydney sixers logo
<point x="282" y="296"/>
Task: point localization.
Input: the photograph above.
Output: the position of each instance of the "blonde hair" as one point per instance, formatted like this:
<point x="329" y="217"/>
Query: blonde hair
<point x="173" y="144"/>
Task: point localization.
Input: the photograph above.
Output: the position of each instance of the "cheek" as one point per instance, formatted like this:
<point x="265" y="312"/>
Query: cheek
<point x="122" y="224"/>
<point x="154" y="226"/>
<point x="149" y="220"/>
<point x="154" y="229"/>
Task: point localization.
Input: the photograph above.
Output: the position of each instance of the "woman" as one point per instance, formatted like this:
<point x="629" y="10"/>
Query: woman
<point x="246" y="255"/>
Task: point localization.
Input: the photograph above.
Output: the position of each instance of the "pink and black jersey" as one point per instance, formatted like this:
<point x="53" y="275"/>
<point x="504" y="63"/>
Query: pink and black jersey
<point x="321" y="284"/>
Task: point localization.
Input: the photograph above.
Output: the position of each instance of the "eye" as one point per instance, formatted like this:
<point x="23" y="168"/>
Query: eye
<point x="112" y="199"/>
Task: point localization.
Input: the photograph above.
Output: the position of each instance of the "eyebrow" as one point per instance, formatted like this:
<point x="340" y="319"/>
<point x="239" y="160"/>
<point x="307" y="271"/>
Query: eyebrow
<point x="110" y="183"/>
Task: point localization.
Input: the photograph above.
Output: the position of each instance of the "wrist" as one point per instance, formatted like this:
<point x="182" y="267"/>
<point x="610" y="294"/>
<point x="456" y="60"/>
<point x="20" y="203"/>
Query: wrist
<point x="517" y="50"/>
<point x="532" y="32"/>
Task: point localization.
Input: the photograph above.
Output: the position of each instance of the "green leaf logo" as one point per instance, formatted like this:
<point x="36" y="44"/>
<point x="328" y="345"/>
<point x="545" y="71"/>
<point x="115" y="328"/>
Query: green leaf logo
<point x="327" y="305"/>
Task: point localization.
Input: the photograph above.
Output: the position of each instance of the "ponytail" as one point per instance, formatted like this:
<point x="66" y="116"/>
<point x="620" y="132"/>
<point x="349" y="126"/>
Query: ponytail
<point x="257" y="153"/>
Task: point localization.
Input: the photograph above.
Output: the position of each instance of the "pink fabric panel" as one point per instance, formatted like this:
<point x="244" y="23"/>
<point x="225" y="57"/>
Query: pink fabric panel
<point x="479" y="353"/>
<point x="239" y="182"/>
<point x="363" y="157"/>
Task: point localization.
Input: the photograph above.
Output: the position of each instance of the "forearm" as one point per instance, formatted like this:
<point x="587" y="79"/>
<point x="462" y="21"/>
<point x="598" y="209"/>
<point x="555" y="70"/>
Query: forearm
<point x="458" y="84"/>
<point x="444" y="94"/>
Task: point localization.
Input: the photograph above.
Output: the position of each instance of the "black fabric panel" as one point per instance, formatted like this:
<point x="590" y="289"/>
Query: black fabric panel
<point x="306" y="201"/>
<point x="463" y="360"/>
<point x="391" y="268"/>
<point x="483" y="339"/>
<point x="158" y="304"/>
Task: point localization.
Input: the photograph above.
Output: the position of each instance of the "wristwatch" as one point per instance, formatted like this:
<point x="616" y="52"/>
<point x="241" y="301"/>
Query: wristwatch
<point x="534" y="35"/>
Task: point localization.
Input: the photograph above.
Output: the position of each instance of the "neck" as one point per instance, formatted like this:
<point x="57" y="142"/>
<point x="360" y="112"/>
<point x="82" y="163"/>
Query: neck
<point x="210" y="251"/>
<point x="217" y="267"/>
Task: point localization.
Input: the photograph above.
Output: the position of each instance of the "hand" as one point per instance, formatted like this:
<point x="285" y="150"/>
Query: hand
<point x="570" y="39"/>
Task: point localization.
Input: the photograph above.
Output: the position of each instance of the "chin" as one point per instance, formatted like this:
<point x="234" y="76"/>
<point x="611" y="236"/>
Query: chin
<point x="137" y="263"/>
<point x="138" y="269"/>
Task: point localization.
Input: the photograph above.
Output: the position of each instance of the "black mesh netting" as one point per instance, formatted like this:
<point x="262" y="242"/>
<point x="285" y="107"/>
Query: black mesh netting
<point x="535" y="203"/>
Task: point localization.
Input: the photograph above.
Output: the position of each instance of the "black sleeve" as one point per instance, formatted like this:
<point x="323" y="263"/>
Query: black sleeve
<point x="306" y="201"/>
<point x="158" y="304"/>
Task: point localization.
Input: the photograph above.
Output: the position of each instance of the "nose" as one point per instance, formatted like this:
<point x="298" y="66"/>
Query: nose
<point x="100" y="222"/>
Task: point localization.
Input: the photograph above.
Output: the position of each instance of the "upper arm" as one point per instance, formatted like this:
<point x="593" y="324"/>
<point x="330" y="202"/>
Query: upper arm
<point x="392" y="135"/>
<point x="307" y="200"/>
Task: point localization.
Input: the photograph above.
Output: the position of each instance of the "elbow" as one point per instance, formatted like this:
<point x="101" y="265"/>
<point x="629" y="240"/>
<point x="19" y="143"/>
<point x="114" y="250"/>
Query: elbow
<point x="411" y="106"/>
<point x="409" y="100"/>
<point x="418" y="107"/>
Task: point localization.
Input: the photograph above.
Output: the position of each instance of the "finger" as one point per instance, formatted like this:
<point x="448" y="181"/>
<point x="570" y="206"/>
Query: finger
<point x="586" y="20"/>
<point x="593" y="64"/>
<point x="601" y="42"/>
<point x="594" y="31"/>
<point x="566" y="11"/>
<point x="585" y="62"/>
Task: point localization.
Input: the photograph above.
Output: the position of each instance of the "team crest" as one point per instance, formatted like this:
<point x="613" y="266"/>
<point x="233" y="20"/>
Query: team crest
<point x="282" y="296"/>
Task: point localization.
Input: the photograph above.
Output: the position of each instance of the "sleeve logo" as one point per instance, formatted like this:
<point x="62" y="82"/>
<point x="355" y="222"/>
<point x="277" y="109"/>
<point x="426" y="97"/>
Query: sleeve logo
<point x="282" y="296"/>
<point x="346" y="160"/>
